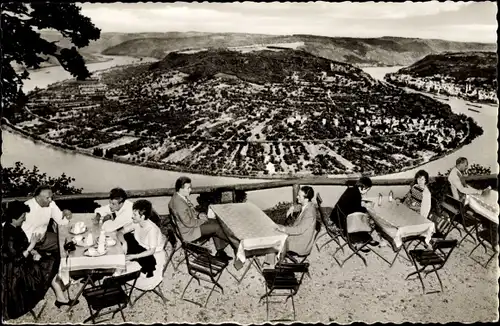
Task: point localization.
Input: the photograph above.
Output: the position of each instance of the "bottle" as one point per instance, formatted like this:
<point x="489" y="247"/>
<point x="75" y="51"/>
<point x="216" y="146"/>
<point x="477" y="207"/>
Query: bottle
<point x="390" y="196"/>
<point x="101" y="242"/>
<point x="379" y="199"/>
<point x="90" y="239"/>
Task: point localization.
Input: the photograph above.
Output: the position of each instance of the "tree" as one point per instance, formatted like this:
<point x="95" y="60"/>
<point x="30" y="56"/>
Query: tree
<point x="24" y="45"/>
<point x="18" y="181"/>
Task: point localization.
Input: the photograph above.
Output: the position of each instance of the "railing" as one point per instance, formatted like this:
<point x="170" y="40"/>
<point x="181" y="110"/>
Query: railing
<point x="167" y="192"/>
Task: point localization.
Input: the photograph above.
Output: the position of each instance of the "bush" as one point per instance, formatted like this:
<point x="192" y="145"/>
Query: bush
<point x="215" y="197"/>
<point x="18" y="181"/>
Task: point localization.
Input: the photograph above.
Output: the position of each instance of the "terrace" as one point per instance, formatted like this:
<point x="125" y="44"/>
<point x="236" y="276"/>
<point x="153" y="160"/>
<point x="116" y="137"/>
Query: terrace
<point x="376" y="293"/>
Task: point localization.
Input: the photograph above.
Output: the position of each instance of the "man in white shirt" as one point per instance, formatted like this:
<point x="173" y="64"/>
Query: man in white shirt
<point x="118" y="213"/>
<point x="42" y="210"/>
<point x="457" y="183"/>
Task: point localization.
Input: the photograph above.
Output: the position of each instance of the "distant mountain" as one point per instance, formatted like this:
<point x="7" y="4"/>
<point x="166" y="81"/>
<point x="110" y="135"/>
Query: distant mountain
<point x="458" y="65"/>
<point x="384" y="51"/>
<point x="158" y="47"/>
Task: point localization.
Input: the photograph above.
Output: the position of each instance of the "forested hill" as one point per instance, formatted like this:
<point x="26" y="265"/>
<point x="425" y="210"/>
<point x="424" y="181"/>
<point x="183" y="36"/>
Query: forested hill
<point x="258" y="67"/>
<point x="458" y="65"/>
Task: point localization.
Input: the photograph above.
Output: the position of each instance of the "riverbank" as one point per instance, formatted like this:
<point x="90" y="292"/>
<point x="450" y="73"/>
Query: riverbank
<point x="173" y="168"/>
<point x="102" y="59"/>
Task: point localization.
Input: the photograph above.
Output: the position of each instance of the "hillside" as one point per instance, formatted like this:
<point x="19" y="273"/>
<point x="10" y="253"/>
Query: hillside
<point x="459" y="65"/>
<point x="385" y="51"/>
<point x="248" y="113"/>
<point x="255" y="67"/>
<point x="469" y="75"/>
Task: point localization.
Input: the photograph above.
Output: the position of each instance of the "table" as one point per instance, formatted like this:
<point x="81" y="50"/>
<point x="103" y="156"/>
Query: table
<point x="248" y="223"/>
<point x="398" y="221"/>
<point x="76" y="260"/>
<point x="485" y="205"/>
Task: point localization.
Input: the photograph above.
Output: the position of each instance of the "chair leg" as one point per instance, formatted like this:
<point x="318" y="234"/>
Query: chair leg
<point x="293" y="307"/>
<point x="486" y="264"/>
<point x="138" y="297"/>
<point x="355" y="252"/>
<point x="439" y="279"/>
<point x="158" y="292"/>
<point x="395" y="256"/>
<point x="183" y="292"/>
<point x="87" y="281"/>
<point x="417" y="271"/>
<point x="121" y="312"/>
<point x="216" y="283"/>
<point x="475" y="248"/>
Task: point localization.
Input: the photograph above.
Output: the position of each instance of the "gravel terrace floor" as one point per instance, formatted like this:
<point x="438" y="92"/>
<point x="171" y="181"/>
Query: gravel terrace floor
<point x="375" y="293"/>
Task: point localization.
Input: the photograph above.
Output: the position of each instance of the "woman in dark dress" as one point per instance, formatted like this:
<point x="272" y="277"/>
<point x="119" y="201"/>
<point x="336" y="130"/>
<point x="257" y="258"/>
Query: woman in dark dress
<point x="26" y="276"/>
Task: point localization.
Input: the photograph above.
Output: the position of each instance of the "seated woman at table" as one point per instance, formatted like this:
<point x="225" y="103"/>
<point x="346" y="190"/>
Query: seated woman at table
<point x="301" y="233"/>
<point x="26" y="275"/>
<point x="418" y="197"/>
<point x="144" y="247"/>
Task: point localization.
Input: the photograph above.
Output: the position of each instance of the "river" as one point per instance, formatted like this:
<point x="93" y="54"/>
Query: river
<point x="95" y="175"/>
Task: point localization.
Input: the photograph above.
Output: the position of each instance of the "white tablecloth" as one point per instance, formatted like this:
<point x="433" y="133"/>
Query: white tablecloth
<point x="398" y="221"/>
<point x="251" y="226"/>
<point x="485" y="204"/>
<point x="113" y="259"/>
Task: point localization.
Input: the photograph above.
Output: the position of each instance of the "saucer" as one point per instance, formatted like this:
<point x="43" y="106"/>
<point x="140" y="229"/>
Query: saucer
<point x="92" y="252"/>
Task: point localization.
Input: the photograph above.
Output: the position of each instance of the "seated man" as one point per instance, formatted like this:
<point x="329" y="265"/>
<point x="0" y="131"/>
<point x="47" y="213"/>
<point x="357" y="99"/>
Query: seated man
<point x="350" y="202"/>
<point x="457" y="183"/>
<point x="118" y="213"/>
<point x="42" y="210"/>
<point x="301" y="233"/>
<point x="193" y="225"/>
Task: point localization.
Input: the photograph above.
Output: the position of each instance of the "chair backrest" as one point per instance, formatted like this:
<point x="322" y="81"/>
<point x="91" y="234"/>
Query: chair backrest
<point x="443" y="225"/>
<point x="175" y="227"/>
<point x="444" y="248"/>
<point x="121" y="280"/>
<point x="292" y="267"/>
<point x="322" y="214"/>
<point x="197" y="255"/>
<point x="286" y="274"/>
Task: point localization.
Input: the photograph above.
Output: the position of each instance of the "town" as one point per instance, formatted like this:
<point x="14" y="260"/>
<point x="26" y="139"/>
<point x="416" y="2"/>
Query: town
<point x="337" y="121"/>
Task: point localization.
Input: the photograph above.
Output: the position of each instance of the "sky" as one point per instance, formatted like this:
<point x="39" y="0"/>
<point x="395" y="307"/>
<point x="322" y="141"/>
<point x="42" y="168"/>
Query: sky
<point x="458" y="21"/>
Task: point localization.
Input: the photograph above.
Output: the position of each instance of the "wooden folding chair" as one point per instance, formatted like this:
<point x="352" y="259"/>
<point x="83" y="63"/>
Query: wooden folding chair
<point x="202" y="266"/>
<point x="175" y="228"/>
<point x="111" y="293"/>
<point x="330" y="229"/>
<point x="156" y="289"/>
<point x="488" y="237"/>
<point x="362" y="239"/>
<point x="435" y="259"/>
<point x="284" y="280"/>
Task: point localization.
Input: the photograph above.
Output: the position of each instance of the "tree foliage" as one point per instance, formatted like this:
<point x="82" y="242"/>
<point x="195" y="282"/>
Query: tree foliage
<point x="23" y="44"/>
<point x="18" y="181"/>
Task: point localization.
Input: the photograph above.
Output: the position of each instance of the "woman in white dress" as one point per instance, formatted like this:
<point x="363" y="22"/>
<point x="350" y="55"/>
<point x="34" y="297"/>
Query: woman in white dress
<point x="144" y="247"/>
